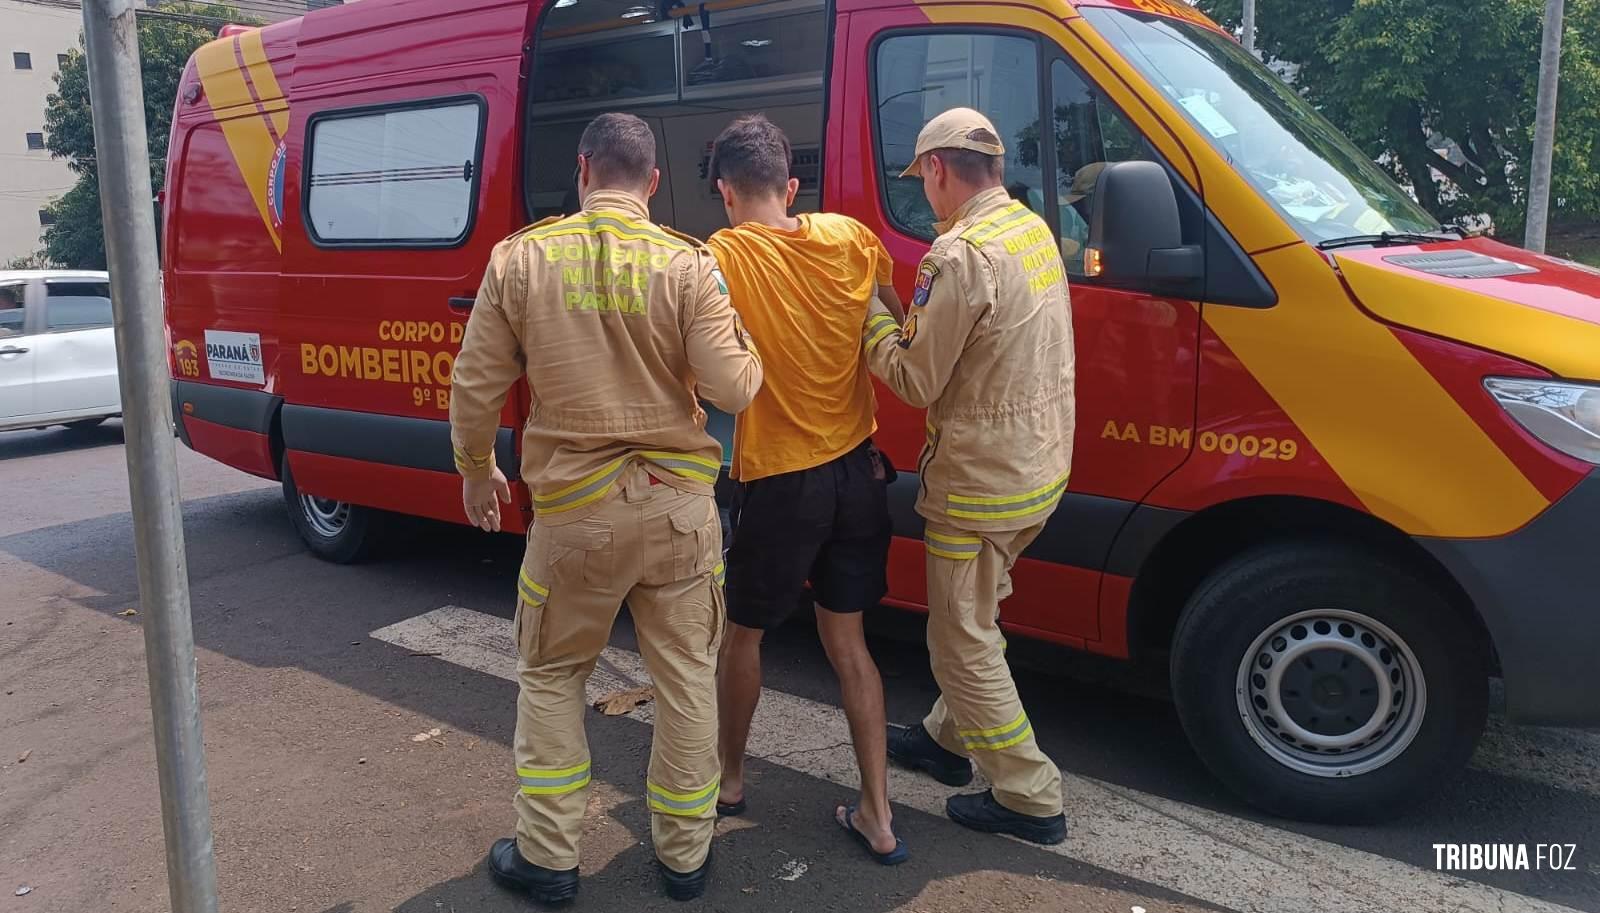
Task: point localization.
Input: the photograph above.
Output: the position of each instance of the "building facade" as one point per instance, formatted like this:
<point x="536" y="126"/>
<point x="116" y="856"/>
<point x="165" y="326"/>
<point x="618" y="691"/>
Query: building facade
<point x="37" y="38"/>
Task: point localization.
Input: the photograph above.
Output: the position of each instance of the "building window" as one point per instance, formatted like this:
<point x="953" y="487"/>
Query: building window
<point x="399" y="176"/>
<point x="61" y="60"/>
<point x="22" y="60"/>
<point x="36" y="141"/>
<point x="46" y="217"/>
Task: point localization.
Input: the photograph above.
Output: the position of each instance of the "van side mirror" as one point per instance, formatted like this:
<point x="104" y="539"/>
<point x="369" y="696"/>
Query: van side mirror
<point x="1136" y="236"/>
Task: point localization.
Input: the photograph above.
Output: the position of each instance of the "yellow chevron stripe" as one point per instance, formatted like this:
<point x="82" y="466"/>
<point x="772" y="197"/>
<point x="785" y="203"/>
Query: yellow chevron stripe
<point x="1397" y="439"/>
<point x="242" y="125"/>
<point x="265" y="81"/>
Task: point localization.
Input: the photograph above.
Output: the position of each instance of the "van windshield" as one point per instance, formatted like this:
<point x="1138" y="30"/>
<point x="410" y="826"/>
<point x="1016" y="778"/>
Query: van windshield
<point x="1311" y="172"/>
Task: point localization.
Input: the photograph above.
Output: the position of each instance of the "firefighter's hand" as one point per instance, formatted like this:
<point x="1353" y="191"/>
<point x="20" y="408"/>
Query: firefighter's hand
<point x="482" y="499"/>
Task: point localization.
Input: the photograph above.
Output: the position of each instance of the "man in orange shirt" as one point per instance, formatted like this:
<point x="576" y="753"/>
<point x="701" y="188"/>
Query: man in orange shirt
<point x="812" y="502"/>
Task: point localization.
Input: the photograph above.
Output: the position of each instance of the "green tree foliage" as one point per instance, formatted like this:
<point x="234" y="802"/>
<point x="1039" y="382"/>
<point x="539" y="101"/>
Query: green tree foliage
<point x="168" y="35"/>
<point x="1394" y="73"/>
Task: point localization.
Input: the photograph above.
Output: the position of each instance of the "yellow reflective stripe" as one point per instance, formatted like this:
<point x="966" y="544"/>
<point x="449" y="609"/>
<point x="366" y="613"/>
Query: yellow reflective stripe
<point x="707" y="462"/>
<point x="1000" y="229"/>
<point x="590" y="489"/>
<point x="1012" y="733"/>
<point x="720" y="573"/>
<point x="684" y="464"/>
<point x="969" y="234"/>
<point x="532" y="592"/>
<point x="614" y="226"/>
<point x="1010" y="499"/>
<point x="475" y="462"/>
<point x="1040" y="499"/>
<point x="953" y="556"/>
<point x="956" y="548"/>
<point x="538" y="782"/>
<point x="882" y="334"/>
<point x="683" y="804"/>
<point x="953" y="540"/>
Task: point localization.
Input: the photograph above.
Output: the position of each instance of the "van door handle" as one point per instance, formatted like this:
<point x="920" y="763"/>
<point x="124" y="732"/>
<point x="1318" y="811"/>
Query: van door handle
<point x="462" y="304"/>
<point x="13" y="350"/>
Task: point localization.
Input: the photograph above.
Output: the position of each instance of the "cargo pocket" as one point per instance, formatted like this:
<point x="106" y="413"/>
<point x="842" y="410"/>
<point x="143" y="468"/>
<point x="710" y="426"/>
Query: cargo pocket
<point x="576" y="553"/>
<point x="525" y="628"/>
<point x="696" y="537"/>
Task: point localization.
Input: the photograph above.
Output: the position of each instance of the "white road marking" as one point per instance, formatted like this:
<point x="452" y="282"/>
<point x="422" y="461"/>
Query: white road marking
<point x="1207" y="855"/>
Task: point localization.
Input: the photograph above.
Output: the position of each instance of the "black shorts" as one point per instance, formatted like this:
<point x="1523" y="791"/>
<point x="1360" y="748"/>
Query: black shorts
<point x="828" y="524"/>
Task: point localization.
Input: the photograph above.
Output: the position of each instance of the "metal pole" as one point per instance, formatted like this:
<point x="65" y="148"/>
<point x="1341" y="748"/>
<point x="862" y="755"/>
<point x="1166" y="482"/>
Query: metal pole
<point x="1249" y="26"/>
<point x="1544" y="128"/>
<point x="123" y="160"/>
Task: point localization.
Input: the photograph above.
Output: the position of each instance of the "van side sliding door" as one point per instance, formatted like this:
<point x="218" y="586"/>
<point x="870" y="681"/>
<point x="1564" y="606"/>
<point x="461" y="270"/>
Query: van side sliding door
<point x="402" y="176"/>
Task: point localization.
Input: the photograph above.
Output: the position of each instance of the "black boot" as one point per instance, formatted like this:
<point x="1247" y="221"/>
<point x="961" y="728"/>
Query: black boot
<point x="911" y="746"/>
<point x="686" y="885"/>
<point x="980" y="812"/>
<point x="547" y="886"/>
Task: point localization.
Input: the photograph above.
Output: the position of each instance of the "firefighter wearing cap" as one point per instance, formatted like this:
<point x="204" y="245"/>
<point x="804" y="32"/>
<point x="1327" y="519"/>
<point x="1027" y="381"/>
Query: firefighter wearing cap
<point x="986" y="347"/>
<point x="617" y="324"/>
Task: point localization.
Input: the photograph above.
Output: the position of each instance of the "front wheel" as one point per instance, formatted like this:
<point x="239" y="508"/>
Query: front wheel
<point x="1320" y="682"/>
<point x="334" y="530"/>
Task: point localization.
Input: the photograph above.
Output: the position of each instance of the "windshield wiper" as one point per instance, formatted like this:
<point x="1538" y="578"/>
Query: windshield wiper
<point x="1383" y="239"/>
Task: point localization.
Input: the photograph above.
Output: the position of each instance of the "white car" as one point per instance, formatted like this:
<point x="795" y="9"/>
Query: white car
<point x="58" y="354"/>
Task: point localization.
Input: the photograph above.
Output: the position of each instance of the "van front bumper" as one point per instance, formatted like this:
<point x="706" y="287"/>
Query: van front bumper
<point x="1538" y="591"/>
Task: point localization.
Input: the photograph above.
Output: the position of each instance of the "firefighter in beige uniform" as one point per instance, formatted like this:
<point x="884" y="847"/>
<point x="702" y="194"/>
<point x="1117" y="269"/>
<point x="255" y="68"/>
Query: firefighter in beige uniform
<point x="617" y="324"/>
<point x="987" y="348"/>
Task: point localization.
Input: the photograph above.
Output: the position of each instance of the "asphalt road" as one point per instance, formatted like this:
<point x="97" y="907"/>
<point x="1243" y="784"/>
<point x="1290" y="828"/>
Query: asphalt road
<point x="321" y="687"/>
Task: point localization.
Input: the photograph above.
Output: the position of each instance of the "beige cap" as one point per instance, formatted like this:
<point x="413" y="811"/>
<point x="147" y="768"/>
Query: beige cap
<point x="957" y="128"/>
<point x="1083" y="182"/>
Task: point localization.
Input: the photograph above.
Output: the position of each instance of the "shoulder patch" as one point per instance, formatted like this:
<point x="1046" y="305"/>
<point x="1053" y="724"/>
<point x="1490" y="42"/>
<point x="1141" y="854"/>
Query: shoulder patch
<point x="926" y="273"/>
<point x="908" y="332"/>
<point x="722" y="282"/>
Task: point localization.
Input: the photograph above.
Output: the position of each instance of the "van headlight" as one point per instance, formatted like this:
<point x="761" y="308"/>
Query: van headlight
<point x="1564" y="415"/>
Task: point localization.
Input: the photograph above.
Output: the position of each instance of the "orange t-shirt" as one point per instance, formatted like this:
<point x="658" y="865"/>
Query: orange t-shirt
<point x="803" y="295"/>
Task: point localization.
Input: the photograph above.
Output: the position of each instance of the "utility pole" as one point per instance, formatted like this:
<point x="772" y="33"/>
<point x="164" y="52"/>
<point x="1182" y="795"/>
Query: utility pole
<point x="116" y="95"/>
<point x="1249" y="26"/>
<point x="1544" y="128"/>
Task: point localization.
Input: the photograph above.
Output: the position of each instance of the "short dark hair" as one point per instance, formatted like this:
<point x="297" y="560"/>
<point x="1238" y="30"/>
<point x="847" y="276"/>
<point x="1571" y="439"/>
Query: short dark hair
<point x="752" y="154"/>
<point x="971" y="166"/>
<point x="621" y="150"/>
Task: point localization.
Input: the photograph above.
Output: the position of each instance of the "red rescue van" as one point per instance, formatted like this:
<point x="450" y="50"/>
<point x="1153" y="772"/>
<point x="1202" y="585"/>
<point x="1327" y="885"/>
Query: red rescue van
<point x="1336" y="465"/>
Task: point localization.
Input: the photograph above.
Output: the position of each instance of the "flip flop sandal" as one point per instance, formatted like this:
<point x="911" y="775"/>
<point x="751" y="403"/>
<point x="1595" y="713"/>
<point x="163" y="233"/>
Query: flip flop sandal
<point x="730" y="809"/>
<point x="894" y="857"/>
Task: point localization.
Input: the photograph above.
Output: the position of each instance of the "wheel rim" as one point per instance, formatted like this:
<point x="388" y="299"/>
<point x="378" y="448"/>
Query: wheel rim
<point x="1331" y="693"/>
<point x="326" y="517"/>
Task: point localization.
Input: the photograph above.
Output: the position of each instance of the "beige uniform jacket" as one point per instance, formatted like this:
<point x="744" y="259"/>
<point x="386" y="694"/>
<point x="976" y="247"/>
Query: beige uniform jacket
<point x="618" y="324"/>
<point x="987" y="348"/>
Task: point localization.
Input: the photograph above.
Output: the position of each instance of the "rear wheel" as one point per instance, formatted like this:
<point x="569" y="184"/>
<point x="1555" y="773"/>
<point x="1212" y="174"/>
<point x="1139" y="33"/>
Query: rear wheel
<point x="335" y="531"/>
<point x="1320" y="682"/>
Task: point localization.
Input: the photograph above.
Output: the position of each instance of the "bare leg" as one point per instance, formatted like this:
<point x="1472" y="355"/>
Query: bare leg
<point x="738" y="692"/>
<point x="846" y="643"/>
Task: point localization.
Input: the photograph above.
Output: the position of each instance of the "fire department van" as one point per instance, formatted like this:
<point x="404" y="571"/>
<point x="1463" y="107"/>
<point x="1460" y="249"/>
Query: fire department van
<point x="1336" y="465"/>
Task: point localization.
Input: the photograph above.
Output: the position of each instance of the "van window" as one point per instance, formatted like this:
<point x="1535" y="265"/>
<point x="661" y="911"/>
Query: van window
<point x="1089" y="132"/>
<point x="922" y="75"/>
<point x="77" y="306"/>
<point x="767" y="47"/>
<point x="13" y="303"/>
<point x="396" y="176"/>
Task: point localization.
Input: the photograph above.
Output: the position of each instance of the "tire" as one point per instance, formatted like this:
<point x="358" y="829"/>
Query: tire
<point x="334" y="530"/>
<point x="1322" y="635"/>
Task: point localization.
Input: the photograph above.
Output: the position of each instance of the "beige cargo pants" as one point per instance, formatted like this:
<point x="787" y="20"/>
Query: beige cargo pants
<point x="978" y="713"/>
<point x="661" y="550"/>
